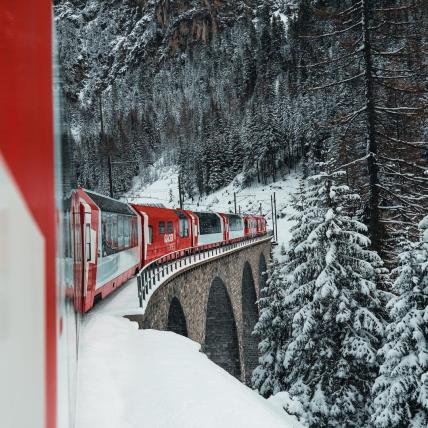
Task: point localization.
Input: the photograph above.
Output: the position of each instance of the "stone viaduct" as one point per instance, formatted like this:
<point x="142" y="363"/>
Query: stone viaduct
<point x="214" y="303"/>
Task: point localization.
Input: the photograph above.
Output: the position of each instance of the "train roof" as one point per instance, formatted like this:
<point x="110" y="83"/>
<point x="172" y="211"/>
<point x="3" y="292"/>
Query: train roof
<point x="157" y="212"/>
<point x="104" y="203"/>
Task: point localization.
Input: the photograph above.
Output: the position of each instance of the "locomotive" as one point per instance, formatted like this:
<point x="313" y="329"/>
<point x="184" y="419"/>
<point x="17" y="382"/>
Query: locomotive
<point x="110" y="240"/>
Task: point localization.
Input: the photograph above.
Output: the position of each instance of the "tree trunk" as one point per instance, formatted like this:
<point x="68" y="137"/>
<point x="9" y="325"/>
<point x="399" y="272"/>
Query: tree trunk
<point x="372" y="165"/>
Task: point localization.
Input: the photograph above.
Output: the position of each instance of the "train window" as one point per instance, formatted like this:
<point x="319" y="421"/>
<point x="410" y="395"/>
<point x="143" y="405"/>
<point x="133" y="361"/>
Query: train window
<point x="209" y="223"/>
<point x="170" y="228"/>
<point x="114" y="240"/>
<point x="126" y="232"/>
<point x="150" y="234"/>
<point x="235" y="222"/>
<point x="77" y="237"/>
<point x="120" y="232"/>
<point x="134" y="232"/>
<point x="88" y="242"/>
<point x="161" y="227"/>
<point x="184" y="228"/>
<point x="67" y="235"/>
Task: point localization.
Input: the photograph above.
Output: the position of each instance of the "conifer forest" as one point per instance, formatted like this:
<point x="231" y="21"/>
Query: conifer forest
<point x="335" y="91"/>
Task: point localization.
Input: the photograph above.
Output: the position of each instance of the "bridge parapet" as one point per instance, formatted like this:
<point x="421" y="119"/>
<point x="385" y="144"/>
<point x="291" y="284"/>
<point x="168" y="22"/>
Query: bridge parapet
<point x="167" y="267"/>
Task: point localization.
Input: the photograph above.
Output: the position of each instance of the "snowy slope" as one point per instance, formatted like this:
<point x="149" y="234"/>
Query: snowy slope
<point x="133" y="378"/>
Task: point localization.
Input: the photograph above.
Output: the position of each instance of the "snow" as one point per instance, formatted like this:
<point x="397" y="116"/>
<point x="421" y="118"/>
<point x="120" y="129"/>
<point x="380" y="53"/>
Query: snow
<point x="132" y="378"/>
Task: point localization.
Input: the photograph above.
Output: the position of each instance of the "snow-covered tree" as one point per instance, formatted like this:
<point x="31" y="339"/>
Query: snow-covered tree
<point x="271" y="328"/>
<point x="330" y="358"/>
<point x="401" y="390"/>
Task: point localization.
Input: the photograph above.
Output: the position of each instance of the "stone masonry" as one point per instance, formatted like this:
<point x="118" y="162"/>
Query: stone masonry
<point x="191" y="289"/>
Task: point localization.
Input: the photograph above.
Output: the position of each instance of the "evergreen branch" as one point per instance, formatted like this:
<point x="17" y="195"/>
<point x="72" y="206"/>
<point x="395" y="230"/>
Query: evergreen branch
<point x="407" y="176"/>
<point x="398" y="111"/>
<point x="352" y="163"/>
<point x="353" y="115"/>
<point x="393" y="88"/>
<point x="402" y="200"/>
<point x="392" y="9"/>
<point x="391" y="53"/>
<point x="332" y="61"/>
<point x="352" y="9"/>
<point x="375" y="76"/>
<point x="341" y="82"/>
<point x="333" y="33"/>
<point x="415" y="144"/>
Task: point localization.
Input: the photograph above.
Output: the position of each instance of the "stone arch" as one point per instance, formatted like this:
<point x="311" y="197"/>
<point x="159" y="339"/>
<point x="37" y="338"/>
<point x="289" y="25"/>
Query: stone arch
<point x="176" y="319"/>
<point x="262" y="271"/>
<point x="221" y="338"/>
<point x="250" y="315"/>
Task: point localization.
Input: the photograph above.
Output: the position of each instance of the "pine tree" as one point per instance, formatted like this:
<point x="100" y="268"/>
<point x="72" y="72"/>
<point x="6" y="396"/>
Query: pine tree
<point x="369" y="53"/>
<point x="401" y="390"/>
<point x="330" y="359"/>
<point x="271" y="328"/>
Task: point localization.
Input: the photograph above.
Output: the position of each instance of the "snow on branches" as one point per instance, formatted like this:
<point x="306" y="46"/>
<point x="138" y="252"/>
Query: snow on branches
<point x="401" y="390"/>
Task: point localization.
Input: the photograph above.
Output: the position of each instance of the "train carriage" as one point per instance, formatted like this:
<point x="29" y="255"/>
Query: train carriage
<point x="107" y="246"/>
<point x="250" y="225"/>
<point x="211" y="228"/>
<point x="233" y="227"/>
<point x="260" y="224"/>
<point x="164" y="231"/>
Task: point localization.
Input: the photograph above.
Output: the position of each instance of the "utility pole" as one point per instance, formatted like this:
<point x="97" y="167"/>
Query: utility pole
<point x="276" y="218"/>
<point x="103" y="144"/>
<point x="180" y="194"/>
<point x="272" y="212"/>
<point x="110" y="181"/>
<point x="260" y="209"/>
<point x="234" y="199"/>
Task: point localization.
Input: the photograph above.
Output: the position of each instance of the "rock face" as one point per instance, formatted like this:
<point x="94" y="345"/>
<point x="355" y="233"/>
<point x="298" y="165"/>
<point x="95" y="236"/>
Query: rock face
<point x="100" y="40"/>
<point x="181" y="80"/>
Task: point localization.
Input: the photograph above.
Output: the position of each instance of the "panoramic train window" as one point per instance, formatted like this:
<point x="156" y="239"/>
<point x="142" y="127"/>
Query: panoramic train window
<point x="134" y="232"/>
<point x="235" y="222"/>
<point x="184" y="228"/>
<point x="119" y="232"/>
<point x="208" y="223"/>
<point x="183" y="224"/>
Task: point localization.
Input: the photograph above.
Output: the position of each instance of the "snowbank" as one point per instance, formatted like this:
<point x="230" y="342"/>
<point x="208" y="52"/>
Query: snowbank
<point x="131" y="378"/>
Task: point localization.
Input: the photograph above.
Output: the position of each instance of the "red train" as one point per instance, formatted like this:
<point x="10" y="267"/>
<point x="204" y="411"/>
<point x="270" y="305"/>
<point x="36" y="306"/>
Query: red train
<point x="112" y="240"/>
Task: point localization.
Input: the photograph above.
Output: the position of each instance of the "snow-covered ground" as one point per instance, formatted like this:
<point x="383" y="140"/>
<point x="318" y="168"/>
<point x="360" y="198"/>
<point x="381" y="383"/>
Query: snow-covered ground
<point x="130" y="378"/>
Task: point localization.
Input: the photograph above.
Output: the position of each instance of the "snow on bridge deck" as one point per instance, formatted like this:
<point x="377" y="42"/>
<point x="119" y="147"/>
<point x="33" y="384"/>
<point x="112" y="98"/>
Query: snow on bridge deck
<point x="132" y="378"/>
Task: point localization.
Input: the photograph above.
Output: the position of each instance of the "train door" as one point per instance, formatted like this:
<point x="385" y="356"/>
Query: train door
<point x="226" y="223"/>
<point x="78" y="271"/>
<point x="147" y="236"/>
<point x="82" y="253"/>
<point x="194" y="229"/>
